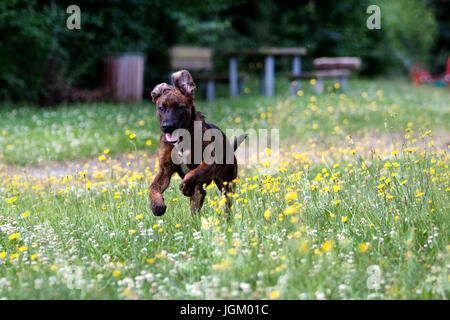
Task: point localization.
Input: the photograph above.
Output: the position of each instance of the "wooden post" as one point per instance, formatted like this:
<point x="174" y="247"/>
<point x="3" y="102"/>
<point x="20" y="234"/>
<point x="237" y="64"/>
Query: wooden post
<point x="296" y="70"/>
<point x="269" y="68"/>
<point x="233" y="77"/>
<point x="124" y="77"/>
<point x="344" y="84"/>
<point x="319" y="86"/>
<point x="210" y="90"/>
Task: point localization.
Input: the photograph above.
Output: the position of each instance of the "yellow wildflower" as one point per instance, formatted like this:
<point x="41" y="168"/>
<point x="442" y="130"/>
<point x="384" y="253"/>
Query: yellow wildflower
<point x="11" y="200"/>
<point x="14" y="236"/>
<point x="291" y="196"/>
<point x="274" y="295"/>
<point x="327" y="246"/>
<point x="363" y="247"/>
<point x="290" y="210"/>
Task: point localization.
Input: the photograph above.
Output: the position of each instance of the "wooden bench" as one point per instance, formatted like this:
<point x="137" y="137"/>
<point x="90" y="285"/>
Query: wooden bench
<point x="199" y="62"/>
<point x="267" y="75"/>
<point x="327" y="68"/>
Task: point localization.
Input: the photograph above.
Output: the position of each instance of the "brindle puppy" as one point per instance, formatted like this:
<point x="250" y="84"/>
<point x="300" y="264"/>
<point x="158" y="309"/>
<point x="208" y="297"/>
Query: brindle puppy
<point x="176" y="110"/>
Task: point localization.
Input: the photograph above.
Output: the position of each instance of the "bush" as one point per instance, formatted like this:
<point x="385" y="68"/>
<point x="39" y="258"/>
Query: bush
<point x="410" y="30"/>
<point x="38" y="41"/>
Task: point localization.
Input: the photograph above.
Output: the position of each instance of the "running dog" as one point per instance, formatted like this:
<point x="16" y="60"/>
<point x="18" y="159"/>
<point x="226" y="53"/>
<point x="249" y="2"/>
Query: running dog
<point x="176" y="111"/>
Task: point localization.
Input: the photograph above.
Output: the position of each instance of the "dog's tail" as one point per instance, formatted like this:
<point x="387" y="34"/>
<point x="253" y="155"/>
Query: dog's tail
<point x="239" y="140"/>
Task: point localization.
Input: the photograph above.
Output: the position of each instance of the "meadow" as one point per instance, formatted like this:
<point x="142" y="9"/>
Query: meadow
<point x="356" y="207"/>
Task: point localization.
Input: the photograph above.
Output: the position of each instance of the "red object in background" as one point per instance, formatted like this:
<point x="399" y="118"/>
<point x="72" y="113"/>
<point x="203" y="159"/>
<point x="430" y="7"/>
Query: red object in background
<point x="420" y="75"/>
<point x="447" y="72"/>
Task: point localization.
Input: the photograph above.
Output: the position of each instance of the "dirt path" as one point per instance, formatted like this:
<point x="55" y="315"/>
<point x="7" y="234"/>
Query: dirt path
<point x="135" y="161"/>
<point x="140" y="160"/>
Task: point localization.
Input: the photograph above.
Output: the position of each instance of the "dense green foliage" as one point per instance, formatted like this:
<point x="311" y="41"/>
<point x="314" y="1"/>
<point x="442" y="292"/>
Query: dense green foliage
<point x="441" y="50"/>
<point x="36" y="38"/>
<point x="408" y="40"/>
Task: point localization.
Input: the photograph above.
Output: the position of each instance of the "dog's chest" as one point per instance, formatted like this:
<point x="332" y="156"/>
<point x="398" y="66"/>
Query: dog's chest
<point x="185" y="156"/>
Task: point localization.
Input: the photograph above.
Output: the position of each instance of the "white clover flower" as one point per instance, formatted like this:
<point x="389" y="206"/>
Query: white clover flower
<point x="38" y="284"/>
<point x="320" y="296"/>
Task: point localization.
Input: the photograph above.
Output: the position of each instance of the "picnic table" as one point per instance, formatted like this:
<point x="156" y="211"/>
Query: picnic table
<point x="267" y="82"/>
<point x="199" y="60"/>
<point x="329" y="68"/>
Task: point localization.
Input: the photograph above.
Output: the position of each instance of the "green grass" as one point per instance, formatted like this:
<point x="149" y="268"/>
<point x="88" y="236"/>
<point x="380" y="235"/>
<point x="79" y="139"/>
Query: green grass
<point x="309" y="228"/>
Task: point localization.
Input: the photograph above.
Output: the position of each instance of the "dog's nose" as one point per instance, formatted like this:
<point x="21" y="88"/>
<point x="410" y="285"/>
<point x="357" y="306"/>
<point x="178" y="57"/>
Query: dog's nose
<point x="168" y="127"/>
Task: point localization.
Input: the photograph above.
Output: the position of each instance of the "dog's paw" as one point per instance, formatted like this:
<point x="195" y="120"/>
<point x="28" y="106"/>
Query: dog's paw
<point x="187" y="188"/>
<point x="159" y="210"/>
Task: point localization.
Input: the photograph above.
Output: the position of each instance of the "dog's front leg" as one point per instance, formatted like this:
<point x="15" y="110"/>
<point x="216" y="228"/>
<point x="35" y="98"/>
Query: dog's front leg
<point x="196" y="177"/>
<point x="159" y="185"/>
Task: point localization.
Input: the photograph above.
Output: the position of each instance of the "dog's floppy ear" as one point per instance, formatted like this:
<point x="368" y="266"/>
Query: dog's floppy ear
<point x="183" y="81"/>
<point x="159" y="90"/>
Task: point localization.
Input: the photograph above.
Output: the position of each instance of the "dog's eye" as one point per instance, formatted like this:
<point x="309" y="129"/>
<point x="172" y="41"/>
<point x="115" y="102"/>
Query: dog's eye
<point x="178" y="108"/>
<point x="161" y="109"/>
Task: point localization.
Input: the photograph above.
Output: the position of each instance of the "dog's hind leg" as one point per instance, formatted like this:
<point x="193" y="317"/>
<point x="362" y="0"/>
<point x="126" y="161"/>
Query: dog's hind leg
<point x="229" y="193"/>
<point x="197" y="199"/>
<point x="226" y="189"/>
